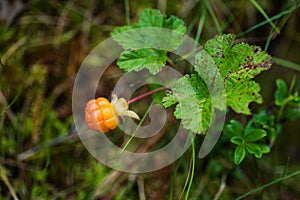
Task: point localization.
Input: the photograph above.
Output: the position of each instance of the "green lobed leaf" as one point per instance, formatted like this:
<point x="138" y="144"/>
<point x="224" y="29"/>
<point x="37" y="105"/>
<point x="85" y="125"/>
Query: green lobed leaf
<point x="206" y="69"/>
<point x="238" y="65"/>
<point x="151" y="18"/>
<point x="240" y="93"/>
<point x="129" y="39"/>
<point x="148" y="36"/>
<point x="136" y="60"/>
<point x="193" y="106"/>
<point x="219" y="47"/>
<point x="241" y="90"/>
<point x="174" y="23"/>
<point x="153" y="30"/>
<point x="239" y="154"/>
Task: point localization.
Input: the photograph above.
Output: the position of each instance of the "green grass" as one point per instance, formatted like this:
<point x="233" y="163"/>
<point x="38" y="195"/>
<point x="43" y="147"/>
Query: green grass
<point x="281" y="14"/>
<point x="262" y="11"/>
<point x="262" y="187"/>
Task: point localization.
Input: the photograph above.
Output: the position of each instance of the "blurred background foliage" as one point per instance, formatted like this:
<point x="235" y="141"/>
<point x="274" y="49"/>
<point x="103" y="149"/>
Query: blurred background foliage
<point x="43" y="43"/>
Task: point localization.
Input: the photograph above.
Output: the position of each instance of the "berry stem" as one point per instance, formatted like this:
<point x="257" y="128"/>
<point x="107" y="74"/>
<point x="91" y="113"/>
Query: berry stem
<point x="146" y="94"/>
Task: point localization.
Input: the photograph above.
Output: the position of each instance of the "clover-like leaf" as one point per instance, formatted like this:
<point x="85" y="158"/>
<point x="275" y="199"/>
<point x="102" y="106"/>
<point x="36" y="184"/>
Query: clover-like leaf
<point x="233" y="129"/>
<point x="255" y="149"/>
<point x="264" y="121"/>
<point x="264" y="148"/>
<point x="281" y="93"/>
<point x="250" y="140"/>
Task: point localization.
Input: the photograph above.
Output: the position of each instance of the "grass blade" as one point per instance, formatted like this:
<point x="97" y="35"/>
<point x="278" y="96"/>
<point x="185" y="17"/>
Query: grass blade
<point x="214" y="17"/>
<point x="279" y="15"/>
<point x="286" y="63"/>
<point x="192" y="172"/>
<point x="127" y="11"/>
<point x="200" y="25"/>
<point x="139" y="125"/>
<point x="268" y="184"/>
<point x="4" y="178"/>
<point x="261" y="10"/>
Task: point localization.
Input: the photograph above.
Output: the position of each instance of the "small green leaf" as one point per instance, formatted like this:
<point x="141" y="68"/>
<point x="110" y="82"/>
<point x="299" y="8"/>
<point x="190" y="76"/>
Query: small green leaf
<point x="233" y="129"/>
<point x="264" y="148"/>
<point x="136" y="60"/>
<point x="239" y="154"/>
<point x="263" y="120"/>
<point x="281" y="93"/>
<point x="237" y="140"/>
<point x="254" y="149"/>
<point x="255" y="135"/>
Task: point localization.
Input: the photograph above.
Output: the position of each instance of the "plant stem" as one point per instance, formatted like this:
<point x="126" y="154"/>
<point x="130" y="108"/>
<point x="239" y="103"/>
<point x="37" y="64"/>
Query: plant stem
<point x="147" y="94"/>
<point x="261" y="10"/>
<point x="139" y="125"/>
<point x="192" y="168"/>
<point x="281" y="109"/>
